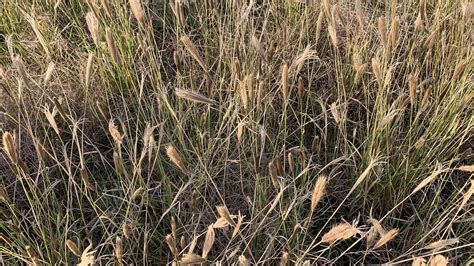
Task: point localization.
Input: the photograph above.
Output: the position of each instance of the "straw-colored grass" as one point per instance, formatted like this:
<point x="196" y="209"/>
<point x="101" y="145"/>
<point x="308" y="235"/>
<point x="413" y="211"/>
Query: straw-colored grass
<point x="236" y="132"/>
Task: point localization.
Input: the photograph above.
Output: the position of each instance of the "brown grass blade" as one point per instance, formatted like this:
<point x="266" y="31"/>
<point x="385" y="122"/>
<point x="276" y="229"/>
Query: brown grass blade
<point x="431" y="40"/>
<point x="319" y="25"/>
<point x="412" y="87"/>
<point x="418" y="23"/>
<point x="459" y="69"/>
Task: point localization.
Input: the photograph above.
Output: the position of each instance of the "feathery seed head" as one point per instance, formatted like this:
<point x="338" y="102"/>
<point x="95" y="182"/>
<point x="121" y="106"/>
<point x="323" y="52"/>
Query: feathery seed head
<point x="339" y="232"/>
<point x="194" y="97"/>
<point x="171" y="244"/>
<point x="73" y="248"/>
<point x="9" y="147"/>
<point x="385" y="238"/>
<point x="138" y="12"/>
<point x="174" y="157"/>
<point x="318" y="191"/>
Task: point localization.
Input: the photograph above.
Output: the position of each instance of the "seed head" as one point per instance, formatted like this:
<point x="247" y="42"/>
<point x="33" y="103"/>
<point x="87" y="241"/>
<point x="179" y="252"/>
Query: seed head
<point x="318" y="192"/>
<point x="174" y="157"/>
<point x="339" y="232"/>
<point x="73" y="248"/>
<point x="9" y="147"/>
<point x="138" y="12"/>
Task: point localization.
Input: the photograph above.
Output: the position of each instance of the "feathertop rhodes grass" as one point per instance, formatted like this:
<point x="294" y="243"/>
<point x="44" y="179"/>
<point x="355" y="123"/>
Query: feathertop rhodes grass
<point x="236" y="132"/>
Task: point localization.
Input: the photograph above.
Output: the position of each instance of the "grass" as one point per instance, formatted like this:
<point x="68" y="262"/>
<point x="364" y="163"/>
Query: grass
<point x="236" y="132"/>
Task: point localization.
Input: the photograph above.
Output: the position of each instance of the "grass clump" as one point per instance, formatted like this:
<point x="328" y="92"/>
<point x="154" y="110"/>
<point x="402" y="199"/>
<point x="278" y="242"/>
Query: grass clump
<point x="236" y="132"/>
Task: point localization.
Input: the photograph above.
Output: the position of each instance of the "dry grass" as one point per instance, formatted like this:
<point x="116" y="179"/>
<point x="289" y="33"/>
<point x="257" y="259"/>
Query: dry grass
<point x="236" y="132"/>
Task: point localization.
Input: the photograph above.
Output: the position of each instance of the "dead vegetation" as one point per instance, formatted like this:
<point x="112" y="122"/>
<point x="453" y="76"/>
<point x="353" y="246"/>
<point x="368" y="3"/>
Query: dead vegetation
<point x="236" y="132"/>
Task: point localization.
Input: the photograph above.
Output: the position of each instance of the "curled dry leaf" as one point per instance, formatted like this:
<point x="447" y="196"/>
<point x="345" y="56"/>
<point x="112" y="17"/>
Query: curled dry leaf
<point x="137" y="193"/>
<point x="467" y="195"/>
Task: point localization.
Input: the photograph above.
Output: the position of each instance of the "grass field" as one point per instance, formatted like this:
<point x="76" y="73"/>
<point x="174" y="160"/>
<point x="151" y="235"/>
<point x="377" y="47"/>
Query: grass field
<point x="239" y="132"/>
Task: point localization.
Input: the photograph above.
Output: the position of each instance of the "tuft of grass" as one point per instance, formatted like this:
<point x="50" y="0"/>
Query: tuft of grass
<point x="236" y="132"/>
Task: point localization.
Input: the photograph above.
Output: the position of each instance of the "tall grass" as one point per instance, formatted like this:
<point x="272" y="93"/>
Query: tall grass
<point x="236" y="132"/>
